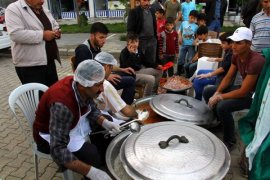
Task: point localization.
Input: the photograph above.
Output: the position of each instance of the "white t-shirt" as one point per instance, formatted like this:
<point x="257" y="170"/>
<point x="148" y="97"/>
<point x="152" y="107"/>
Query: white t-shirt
<point x="109" y="100"/>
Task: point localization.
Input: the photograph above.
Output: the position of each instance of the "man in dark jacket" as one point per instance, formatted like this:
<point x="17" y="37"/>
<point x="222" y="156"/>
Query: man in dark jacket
<point x="142" y="21"/>
<point x="215" y="11"/>
<point x="251" y="8"/>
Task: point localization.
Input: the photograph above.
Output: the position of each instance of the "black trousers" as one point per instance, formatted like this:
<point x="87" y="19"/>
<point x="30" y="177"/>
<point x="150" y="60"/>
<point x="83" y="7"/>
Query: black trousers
<point x="46" y="74"/>
<point x="88" y="153"/>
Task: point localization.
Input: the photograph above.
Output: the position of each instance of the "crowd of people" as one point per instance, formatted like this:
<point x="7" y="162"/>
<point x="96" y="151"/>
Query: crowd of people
<point x="157" y="34"/>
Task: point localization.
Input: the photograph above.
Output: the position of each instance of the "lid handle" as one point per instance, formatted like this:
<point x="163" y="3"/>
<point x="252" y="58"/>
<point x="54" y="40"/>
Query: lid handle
<point x="165" y="144"/>
<point x="180" y="100"/>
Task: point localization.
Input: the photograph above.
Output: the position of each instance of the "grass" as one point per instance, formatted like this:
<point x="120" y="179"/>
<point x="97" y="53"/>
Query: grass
<point x="74" y="28"/>
<point x="116" y="28"/>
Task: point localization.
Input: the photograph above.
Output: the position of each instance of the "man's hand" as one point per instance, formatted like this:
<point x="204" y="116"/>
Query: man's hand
<point x="194" y="59"/>
<point x="142" y="114"/>
<point x="49" y="35"/>
<point x="57" y="33"/>
<point x="97" y="174"/>
<point x="180" y="41"/>
<point x="114" y="78"/>
<point x="128" y="70"/>
<point x="202" y="76"/>
<point x="212" y="59"/>
<point x="112" y="127"/>
<point x="214" y="100"/>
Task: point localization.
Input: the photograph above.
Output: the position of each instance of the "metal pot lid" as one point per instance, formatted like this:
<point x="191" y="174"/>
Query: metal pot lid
<point x="182" y="108"/>
<point x="204" y="156"/>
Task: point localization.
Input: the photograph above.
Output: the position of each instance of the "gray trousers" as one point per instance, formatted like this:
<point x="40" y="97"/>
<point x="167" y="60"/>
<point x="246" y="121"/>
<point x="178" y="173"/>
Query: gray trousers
<point x="151" y="78"/>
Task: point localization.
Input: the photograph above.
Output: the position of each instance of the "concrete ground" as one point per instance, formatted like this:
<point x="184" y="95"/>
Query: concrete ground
<point x="16" y="157"/>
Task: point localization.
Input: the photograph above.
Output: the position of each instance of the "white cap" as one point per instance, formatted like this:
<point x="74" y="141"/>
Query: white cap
<point x="105" y="58"/>
<point x="241" y="33"/>
<point x="88" y="73"/>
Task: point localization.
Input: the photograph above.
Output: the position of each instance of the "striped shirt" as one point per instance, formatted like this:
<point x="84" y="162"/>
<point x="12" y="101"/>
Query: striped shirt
<point x="260" y="27"/>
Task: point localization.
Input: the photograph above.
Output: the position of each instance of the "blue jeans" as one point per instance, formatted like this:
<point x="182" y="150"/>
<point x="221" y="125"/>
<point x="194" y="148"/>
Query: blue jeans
<point x="190" y="69"/>
<point x="127" y="83"/>
<point x="186" y="50"/>
<point x="215" y="25"/>
<point x="199" y="84"/>
<point x="224" y="110"/>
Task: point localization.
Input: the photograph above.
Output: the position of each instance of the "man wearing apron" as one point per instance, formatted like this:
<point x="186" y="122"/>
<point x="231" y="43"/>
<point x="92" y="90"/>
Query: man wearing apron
<point x="67" y="114"/>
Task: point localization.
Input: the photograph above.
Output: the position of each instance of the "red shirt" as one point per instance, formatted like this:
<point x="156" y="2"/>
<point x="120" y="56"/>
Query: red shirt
<point x="252" y="66"/>
<point x="168" y="43"/>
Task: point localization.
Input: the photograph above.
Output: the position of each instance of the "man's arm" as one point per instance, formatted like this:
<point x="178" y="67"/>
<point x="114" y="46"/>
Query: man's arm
<point x="131" y="22"/>
<point x="227" y="79"/>
<point x="60" y="123"/>
<point x="129" y="111"/>
<point x="247" y="86"/>
<point x="17" y="30"/>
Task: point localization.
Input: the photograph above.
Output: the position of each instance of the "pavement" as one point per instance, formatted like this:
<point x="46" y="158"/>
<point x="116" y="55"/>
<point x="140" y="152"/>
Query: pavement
<point x="16" y="157"/>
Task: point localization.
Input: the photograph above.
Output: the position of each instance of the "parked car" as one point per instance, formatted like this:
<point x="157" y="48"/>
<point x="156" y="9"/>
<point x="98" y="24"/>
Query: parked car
<point x="5" y="41"/>
<point x="2" y="15"/>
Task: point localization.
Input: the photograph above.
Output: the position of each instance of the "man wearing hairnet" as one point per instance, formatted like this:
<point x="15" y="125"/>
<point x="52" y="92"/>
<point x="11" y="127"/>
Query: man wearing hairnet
<point x="67" y="114"/>
<point x="109" y="100"/>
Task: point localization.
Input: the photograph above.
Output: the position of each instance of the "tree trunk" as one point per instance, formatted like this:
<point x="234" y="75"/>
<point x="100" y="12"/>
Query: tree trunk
<point x="77" y="9"/>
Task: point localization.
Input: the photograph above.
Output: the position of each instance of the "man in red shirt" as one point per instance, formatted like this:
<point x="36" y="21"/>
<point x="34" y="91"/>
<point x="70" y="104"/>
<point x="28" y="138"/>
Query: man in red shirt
<point x="226" y="99"/>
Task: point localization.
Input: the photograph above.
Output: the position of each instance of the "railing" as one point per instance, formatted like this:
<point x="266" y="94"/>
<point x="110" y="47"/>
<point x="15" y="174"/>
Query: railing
<point x="72" y="14"/>
<point x="110" y="13"/>
<point x="99" y="13"/>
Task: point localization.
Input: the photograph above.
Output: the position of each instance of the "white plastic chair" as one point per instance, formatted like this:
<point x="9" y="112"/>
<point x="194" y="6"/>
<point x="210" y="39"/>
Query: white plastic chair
<point x="204" y="64"/>
<point x="26" y="97"/>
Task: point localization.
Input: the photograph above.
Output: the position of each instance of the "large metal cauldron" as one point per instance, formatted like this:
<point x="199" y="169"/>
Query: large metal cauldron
<point x="182" y="109"/>
<point x="191" y="153"/>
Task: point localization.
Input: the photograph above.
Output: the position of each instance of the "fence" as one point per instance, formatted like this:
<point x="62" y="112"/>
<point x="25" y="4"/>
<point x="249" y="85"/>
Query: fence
<point x="99" y="13"/>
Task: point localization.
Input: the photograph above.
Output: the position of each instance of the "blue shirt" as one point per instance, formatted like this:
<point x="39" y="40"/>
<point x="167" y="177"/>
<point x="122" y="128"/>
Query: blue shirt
<point x="218" y="8"/>
<point x="186" y="8"/>
<point x="188" y="31"/>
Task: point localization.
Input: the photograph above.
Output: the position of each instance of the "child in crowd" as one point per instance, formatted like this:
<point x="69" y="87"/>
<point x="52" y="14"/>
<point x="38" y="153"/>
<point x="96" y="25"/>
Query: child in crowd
<point x="201" y="19"/>
<point x="148" y="74"/>
<point x="186" y="8"/>
<point x="202" y="37"/>
<point x="186" y="39"/>
<point x="168" y="45"/>
<point x="160" y="17"/>
<point x="207" y="77"/>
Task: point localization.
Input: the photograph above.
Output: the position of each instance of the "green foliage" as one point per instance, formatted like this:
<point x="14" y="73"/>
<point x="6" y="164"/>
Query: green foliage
<point x="83" y="20"/>
<point x="124" y="2"/>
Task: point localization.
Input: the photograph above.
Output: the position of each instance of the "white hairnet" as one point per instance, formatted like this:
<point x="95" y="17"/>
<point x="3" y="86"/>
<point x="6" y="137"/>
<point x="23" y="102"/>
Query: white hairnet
<point x="105" y="58"/>
<point x="88" y="73"/>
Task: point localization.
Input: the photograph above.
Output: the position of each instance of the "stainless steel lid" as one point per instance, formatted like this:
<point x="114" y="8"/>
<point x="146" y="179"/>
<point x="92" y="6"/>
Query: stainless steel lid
<point x="182" y="108"/>
<point x="204" y="156"/>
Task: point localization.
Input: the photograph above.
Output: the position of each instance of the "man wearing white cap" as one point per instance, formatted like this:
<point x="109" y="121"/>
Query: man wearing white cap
<point x="67" y="114"/>
<point x="225" y="98"/>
